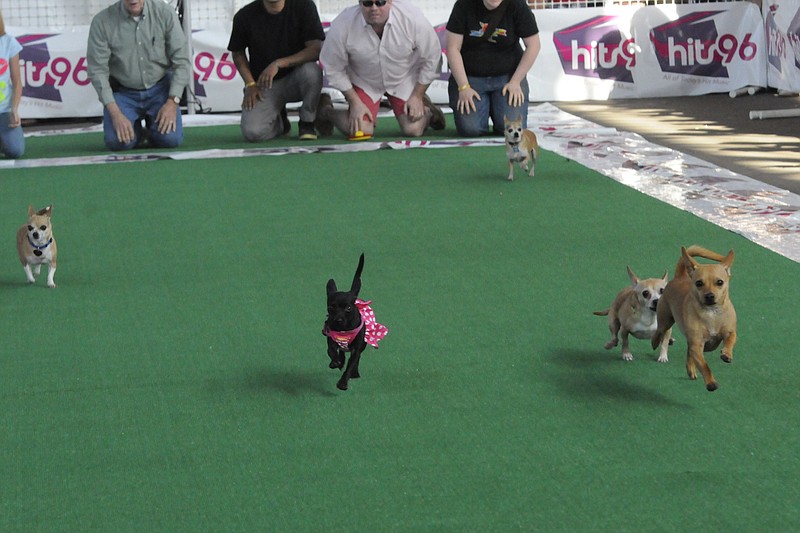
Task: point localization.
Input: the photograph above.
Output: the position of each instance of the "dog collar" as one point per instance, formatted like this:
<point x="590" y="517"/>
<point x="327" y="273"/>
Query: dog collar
<point x="514" y="146"/>
<point x="344" y="338"/>
<point x="37" y="246"/>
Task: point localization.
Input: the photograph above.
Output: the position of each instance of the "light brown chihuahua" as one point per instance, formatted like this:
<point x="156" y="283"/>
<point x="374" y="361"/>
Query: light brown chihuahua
<point x="37" y="246"/>
<point x="522" y="147"/>
<point x="697" y="299"/>
<point x="633" y="312"/>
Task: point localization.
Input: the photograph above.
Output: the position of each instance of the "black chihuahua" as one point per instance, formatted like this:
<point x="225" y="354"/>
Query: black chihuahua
<point x="350" y="326"/>
<point x="344" y="327"/>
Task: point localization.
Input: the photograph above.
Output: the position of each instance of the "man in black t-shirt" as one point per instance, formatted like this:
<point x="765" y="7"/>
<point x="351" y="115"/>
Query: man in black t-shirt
<point x="275" y="45"/>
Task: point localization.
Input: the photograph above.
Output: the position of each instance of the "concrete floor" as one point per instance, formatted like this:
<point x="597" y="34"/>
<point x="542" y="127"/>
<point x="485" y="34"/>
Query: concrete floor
<point x="715" y="128"/>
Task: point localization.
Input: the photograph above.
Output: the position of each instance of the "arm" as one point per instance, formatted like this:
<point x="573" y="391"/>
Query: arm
<point x="16" y="96"/>
<point x="334" y="57"/>
<point x="358" y="112"/>
<point x="252" y="94"/>
<point x="466" y="94"/>
<point x="306" y="55"/>
<point x="512" y="88"/>
<point x="178" y="54"/>
<point x="98" y="54"/>
<point x="428" y="68"/>
<point x="415" y="107"/>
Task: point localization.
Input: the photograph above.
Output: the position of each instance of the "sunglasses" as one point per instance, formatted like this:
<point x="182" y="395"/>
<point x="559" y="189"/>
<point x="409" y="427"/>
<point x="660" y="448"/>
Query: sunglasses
<point x="370" y="3"/>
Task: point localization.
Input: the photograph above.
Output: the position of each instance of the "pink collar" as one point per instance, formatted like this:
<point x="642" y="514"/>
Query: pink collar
<point x="344" y="338"/>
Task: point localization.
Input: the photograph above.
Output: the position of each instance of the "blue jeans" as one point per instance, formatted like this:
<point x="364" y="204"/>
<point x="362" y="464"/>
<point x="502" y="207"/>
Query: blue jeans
<point x="491" y="105"/>
<point x="138" y="106"/>
<point x="12" y="140"/>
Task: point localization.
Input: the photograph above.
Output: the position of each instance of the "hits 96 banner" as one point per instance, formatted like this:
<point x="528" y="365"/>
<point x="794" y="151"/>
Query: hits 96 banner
<point x="587" y="54"/>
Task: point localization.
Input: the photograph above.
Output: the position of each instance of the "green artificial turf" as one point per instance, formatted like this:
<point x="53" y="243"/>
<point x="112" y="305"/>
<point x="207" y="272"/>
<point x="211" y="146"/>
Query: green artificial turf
<point x="177" y="380"/>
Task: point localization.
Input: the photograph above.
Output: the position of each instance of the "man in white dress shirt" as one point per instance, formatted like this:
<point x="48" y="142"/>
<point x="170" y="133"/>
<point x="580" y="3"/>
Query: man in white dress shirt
<point x="377" y="48"/>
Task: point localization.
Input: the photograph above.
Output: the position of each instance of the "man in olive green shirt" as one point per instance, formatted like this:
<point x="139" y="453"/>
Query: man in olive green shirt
<point x="138" y="62"/>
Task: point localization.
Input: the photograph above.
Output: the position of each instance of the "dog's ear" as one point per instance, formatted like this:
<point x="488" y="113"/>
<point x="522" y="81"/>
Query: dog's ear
<point x="666" y="276"/>
<point x="632" y="276"/>
<point x="30" y="211"/>
<point x="331" y="286"/>
<point x="47" y="211"/>
<point x="356" y="286"/>
<point x="728" y="261"/>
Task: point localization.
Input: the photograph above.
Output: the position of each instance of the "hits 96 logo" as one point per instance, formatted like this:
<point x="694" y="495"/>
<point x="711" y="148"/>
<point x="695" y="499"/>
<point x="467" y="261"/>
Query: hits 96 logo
<point x="58" y="71"/>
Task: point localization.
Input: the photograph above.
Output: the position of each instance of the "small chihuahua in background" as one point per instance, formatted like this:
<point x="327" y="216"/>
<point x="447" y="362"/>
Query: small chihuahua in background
<point x="37" y="246"/>
<point x="633" y="312"/>
<point x="522" y="147"/>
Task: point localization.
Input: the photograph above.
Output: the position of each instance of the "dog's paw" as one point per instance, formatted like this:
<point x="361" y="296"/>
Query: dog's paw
<point x="610" y="344"/>
<point x="663" y="359"/>
<point x="627" y="356"/>
<point x="711" y="387"/>
<point x="336" y="364"/>
<point x="341" y="384"/>
<point x="725" y="357"/>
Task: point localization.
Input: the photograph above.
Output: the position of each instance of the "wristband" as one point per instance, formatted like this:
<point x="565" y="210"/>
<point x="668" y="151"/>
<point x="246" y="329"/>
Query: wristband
<point x="463" y="87"/>
<point x="249" y="84"/>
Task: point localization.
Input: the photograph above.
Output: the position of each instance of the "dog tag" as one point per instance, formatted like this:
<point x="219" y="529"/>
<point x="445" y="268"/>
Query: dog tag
<point x="37" y="253"/>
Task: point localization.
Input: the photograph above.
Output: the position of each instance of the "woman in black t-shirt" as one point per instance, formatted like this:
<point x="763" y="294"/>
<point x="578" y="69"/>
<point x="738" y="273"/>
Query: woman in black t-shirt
<point x="488" y="66"/>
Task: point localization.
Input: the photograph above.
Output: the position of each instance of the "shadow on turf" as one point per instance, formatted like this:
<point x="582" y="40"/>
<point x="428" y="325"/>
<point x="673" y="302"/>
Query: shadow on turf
<point x="593" y="376"/>
<point x="290" y="383"/>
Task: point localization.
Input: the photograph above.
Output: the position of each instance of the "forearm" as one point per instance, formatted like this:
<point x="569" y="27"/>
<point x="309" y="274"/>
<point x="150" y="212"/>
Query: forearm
<point x="420" y="89"/>
<point x="16" y="83"/>
<point x="306" y="55"/>
<point x="456" y="64"/>
<point x="16" y="97"/>
<point x="243" y="67"/>
<point x="455" y="61"/>
<point x="351" y="95"/>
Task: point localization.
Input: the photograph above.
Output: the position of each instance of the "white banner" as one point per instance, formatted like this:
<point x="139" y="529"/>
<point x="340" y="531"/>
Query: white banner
<point x="782" y="21"/>
<point x="587" y="54"/>
<point x="53" y="69"/>
<point x="667" y="50"/>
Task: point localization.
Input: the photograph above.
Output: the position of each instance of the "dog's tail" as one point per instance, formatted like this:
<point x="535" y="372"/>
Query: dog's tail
<point x="694" y="250"/>
<point x="699" y="251"/>
<point x="356" y="286"/>
<point x="604" y="312"/>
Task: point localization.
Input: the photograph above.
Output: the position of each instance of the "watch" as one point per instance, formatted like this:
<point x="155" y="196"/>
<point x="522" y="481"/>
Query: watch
<point x="176" y="99"/>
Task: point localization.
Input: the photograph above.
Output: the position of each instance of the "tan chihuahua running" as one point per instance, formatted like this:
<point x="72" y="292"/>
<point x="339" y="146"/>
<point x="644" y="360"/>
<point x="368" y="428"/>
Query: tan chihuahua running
<point x="633" y="312"/>
<point x="37" y="246"/>
<point x="522" y="147"/>
<point x="697" y="299"/>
